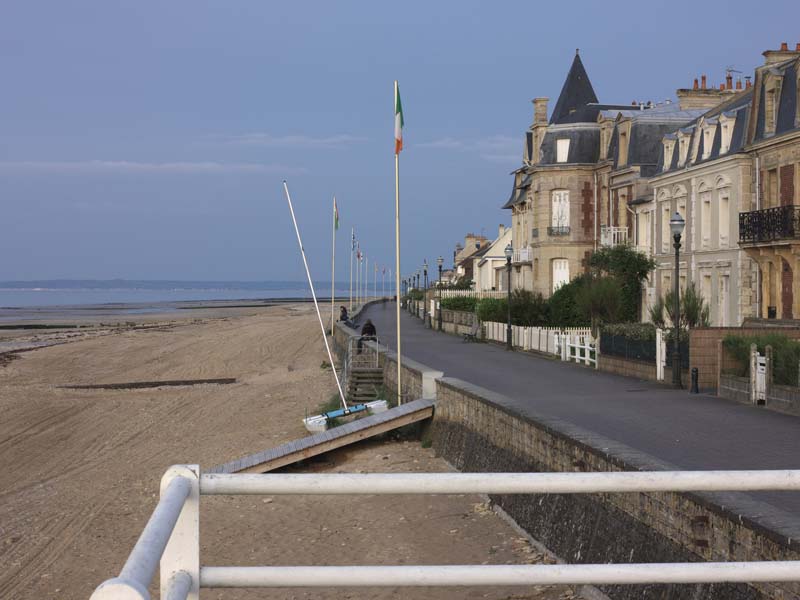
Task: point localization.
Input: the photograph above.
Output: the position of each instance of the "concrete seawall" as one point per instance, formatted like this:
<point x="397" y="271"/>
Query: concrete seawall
<point x="476" y="430"/>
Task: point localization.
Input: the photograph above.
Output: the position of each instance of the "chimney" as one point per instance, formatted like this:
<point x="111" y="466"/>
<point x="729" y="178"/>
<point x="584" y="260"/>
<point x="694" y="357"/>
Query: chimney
<point x="703" y="82"/>
<point x="747" y="83"/>
<point x="501" y="230"/>
<point x="738" y="83"/>
<point x="797" y="47"/>
<point x="540" y="111"/>
<point x="728" y="81"/>
<point x="721" y="87"/>
<point x="695" y="86"/>
<point x="776" y="56"/>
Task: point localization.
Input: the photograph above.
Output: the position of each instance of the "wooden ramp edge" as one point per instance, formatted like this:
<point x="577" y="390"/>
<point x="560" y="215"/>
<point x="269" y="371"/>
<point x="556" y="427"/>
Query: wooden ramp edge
<point x="313" y="445"/>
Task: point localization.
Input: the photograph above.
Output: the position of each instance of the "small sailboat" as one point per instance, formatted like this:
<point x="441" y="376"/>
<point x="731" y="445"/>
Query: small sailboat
<point x="321" y="422"/>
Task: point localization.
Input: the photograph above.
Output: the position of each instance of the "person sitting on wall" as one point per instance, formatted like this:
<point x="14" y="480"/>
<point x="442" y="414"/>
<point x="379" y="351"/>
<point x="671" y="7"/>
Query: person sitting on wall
<point x="343" y="316"/>
<point x="368" y="334"/>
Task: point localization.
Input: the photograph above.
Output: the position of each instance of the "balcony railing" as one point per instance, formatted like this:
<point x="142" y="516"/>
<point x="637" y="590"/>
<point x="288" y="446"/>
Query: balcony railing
<point x="613" y="236"/>
<point x="558" y="230"/>
<point x="522" y="255"/>
<point x="769" y="224"/>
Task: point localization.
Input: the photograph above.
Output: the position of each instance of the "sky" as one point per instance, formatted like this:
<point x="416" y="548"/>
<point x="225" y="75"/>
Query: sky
<point x="149" y="140"/>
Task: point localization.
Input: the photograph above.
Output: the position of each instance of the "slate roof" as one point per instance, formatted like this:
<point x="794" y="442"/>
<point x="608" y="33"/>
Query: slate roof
<point x="738" y="107"/>
<point x="576" y="93"/>
<point x="787" y="108"/>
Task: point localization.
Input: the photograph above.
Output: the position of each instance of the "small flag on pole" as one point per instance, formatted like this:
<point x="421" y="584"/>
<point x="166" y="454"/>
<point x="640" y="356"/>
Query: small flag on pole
<point x="398" y="122"/>
<point x="336" y="215"/>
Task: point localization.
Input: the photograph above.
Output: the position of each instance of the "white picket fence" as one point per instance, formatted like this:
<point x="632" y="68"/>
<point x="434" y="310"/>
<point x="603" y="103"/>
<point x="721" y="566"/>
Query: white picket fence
<point x="569" y="343"/>
<point x="474" y="294"/>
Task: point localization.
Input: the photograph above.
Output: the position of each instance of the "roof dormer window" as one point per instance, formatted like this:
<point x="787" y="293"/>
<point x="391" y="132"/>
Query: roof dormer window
<point x="726" y="123"/>
<point x="683" y="149"/>
<point x="669" y="149"/>
<point x="562" y="150"/>
<point x="772" y="92"/>
<point x="708" y="139"/>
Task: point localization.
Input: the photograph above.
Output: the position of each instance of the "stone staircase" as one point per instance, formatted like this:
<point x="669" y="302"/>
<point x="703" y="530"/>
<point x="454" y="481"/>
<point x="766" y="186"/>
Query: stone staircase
<point x="364" y="383"/>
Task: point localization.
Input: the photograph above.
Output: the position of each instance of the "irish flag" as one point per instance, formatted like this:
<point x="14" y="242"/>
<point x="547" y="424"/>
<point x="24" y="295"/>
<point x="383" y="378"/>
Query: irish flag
<point x="398" y="121"/>
<point x="335" y="214"/>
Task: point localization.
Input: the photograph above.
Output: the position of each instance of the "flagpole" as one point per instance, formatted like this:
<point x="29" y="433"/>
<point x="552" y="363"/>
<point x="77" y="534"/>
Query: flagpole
<point x="333" y="267"/>
<point x="352" y="247"/>
<point x="314" y="296"/>
<point x="397" y="257"/>
<point x="358" y="274"/>
<point x="366" y="277"/>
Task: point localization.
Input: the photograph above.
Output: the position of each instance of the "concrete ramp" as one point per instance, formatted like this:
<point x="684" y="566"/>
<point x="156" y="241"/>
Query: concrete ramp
<point x="320" y="443"/>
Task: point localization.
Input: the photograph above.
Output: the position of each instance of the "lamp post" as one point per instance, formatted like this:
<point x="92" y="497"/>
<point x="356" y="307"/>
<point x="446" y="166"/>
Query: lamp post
<point x="440" y="262"/>
<point x="425" y="292"/>
<point x="676" y="224"/>
<point x="509" y="252"/>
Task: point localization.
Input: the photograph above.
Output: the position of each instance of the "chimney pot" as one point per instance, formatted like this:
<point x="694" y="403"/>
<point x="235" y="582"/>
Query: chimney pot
<point x="703" y="82"/>
<point x="738" y="83"/>
<point x="729" y="81"/>
<point x="721" y="86"/>
<point x="797" y="47"/>
<point x="784" y="46"/>
<point x="747" y="83"/>
<point x="695" y="86"/>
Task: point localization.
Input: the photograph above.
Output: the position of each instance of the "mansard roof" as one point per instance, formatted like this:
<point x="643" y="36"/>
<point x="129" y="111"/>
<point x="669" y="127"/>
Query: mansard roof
<point x="576" y="93"/>
<point x="787" y="102"/>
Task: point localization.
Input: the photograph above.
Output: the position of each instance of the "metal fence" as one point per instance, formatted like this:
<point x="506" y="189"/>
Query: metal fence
<point x="171" y="537"/>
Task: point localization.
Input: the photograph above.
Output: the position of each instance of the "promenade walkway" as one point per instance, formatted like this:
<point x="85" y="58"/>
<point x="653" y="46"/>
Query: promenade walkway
<point x="689" y="431"/>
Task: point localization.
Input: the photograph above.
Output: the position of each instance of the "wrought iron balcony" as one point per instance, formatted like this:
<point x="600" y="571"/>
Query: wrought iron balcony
<point x="559" y="230"/>
<point x="769" y="224"/>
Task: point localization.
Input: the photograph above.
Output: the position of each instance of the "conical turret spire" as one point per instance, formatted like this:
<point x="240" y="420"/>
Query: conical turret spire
<point x="577" y="92"/>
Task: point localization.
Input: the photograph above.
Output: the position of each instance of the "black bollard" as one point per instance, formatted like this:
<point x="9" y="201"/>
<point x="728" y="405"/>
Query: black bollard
<point x="694" y="389"/>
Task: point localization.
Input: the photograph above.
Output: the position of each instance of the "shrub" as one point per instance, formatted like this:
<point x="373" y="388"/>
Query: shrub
<point x="633" y="331"/>
<point x="629" y="268"/>
<point x="492" y="309"/>
<point x="601" y="300"/>
<point x="563" y="305"/>
<point x="466" y="303"/>
<point x="416" y="295"/>
<point x="785" y="355"/>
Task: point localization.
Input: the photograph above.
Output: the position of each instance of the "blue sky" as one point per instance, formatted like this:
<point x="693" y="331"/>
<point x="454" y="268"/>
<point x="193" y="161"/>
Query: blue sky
<point x="148" y="140"/>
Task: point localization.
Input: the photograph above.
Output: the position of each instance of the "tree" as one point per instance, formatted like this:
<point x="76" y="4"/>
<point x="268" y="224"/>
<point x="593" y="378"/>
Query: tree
<point x="601" y="299"/>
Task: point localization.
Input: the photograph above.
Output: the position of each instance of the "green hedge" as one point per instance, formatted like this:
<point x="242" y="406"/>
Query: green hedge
<point x="633" y="331"/>
<point x="465" y="303"/>
<point x="785" y="355"/>
<point x="527" y="309"/>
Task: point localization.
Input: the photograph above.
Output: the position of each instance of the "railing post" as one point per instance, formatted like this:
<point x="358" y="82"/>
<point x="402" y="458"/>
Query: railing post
<point x="183" y="549"/>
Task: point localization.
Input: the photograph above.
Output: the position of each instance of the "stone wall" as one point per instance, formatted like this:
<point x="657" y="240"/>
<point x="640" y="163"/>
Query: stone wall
<point x="627" y="367"/>
<point x="734" y="388"/>
<point x="704" y="349"/>
<point x="784" y="398"/>
<point x="417" y="380"/>
<point x="476" y="431"/>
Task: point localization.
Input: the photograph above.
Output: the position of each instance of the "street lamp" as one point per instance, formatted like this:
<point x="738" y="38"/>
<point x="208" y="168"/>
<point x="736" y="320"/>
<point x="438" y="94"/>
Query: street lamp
<point x="425" y="292"/>
<point x="676" y="224"/>
<point x="509" y="252"/>
<point x="440" y="262"/>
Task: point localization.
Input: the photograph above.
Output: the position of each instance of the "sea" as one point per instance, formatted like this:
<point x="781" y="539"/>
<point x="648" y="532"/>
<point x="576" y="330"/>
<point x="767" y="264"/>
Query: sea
<point x="20" y="299"/>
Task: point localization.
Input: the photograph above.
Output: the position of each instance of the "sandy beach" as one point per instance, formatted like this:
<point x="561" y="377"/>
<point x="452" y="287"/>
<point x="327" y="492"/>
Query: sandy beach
<point x="80" y="468"/>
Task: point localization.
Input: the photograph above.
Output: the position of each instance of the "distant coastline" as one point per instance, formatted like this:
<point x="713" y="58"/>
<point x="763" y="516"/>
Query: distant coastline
<point x="145" y="293"/>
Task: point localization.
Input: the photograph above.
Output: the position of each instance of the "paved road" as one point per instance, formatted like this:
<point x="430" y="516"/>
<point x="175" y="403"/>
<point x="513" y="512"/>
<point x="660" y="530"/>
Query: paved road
<point x="689" y="431"/>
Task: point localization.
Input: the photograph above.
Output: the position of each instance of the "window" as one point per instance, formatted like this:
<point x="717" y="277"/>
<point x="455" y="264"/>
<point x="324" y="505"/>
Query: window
<point x="708" y="140"/>
<point x="772" y="188"/>
<point x="622" y="149"/>
<point x="722" y="299"/>
<point x="683" y="149"/>
<point x="726" y="124"/>
<point x="669" y="147"/>
<point x="705" y="291"/>
<point x="724" y="219"/>
<point x="562" y="150"/>
<point x="771" y="95"/>
<point x="705" y="219"/>
<point x="560" y="214"/>
<point x="665" y="231"/>
<point x="560" y="272"/>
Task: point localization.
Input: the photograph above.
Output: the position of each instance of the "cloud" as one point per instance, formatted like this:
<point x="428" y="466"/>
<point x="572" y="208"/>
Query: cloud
<point x="495" y="148"/>
<point x="124" y="166"/>
<point x="294" y="141"/>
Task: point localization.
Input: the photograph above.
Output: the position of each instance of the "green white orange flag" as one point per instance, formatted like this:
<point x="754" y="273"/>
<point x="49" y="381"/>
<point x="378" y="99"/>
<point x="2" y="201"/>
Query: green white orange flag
<point x="398" y="121"/>
<point x="335" y="214"/>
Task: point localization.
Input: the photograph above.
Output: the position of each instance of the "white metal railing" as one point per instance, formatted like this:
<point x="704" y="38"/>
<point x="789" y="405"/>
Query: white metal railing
<point x="522" y="255"/>
<point x="172" y="535"/>
<point x="613" y="236"/>
<point x="473" y="294"/>
<point x="367" y="358"/>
